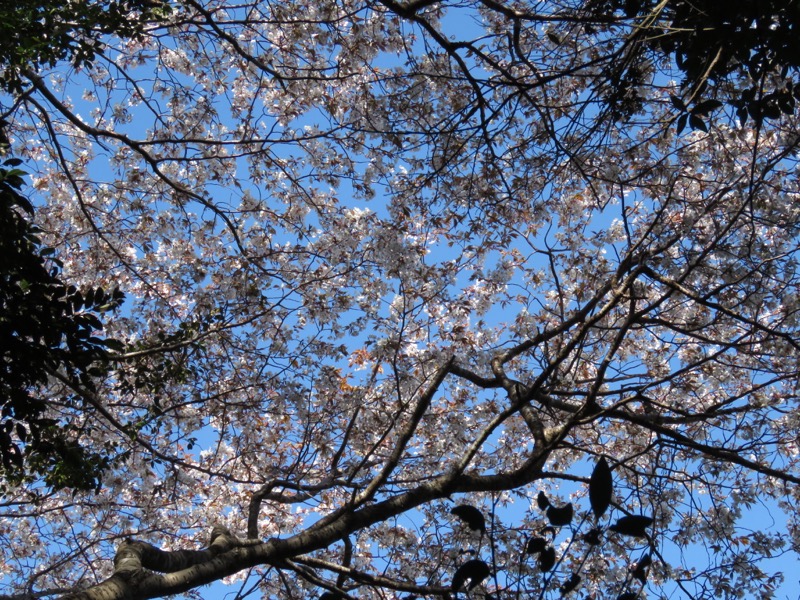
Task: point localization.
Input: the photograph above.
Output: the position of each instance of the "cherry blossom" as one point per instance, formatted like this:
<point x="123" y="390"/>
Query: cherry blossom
<point x="385" y="258"/>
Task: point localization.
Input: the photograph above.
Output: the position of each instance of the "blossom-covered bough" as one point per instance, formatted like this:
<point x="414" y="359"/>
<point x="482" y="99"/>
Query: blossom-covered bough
<point x="388" y="260"/>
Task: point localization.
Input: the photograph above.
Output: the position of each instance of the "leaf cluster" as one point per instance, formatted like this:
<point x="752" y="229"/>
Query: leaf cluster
<point x="745" y="53"/>
<point x="712" y="41"/>
<point x="35" y="34"/>
<point x="46" y="327"/>
<point x="541" y="545"/>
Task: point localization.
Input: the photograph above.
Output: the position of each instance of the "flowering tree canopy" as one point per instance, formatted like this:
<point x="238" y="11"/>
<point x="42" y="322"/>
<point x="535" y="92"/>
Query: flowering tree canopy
<point x="423" y="299"/>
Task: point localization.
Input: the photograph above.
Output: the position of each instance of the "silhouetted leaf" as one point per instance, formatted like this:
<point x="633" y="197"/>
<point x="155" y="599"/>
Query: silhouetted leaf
<point x="634" y="525"/>
<point x="628" y="596"/>
<point x="471" y="516"/>
<point x="592" y="537"/>
<point x="474" y="571"/>
<point x="547" y="559"/>
<point x="553" y="38"/>
<point x="114" y="344"/>
<point x="741" y="113"/>
<point x="570" y="584"/>
<point x="772" y="111"/>
<point x="705" y="107"/>
<point x="678" y="103"/>
<point x="632" y="7"/>
<point x="640" y="571"/>
<point x="698" y="123"/>
<point x="560" y="515"/>
<point x="601" y="487"/>
<point x="536" y="545"/>
<point x="22" y="433"/>
<point x="681" y="123"/>
<point x="542" y="501"/>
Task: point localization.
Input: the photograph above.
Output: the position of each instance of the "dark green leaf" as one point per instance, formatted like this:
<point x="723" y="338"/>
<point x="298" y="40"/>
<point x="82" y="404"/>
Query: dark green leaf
<point x="633" y="525"/>
<point x="474" y="571"/>
<point x="92" y="321"/>
<point x="24" y="204"/>
<point x="14" y="173"/>
<point x="471" y="516"/>
<point x="601" y="487"/>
